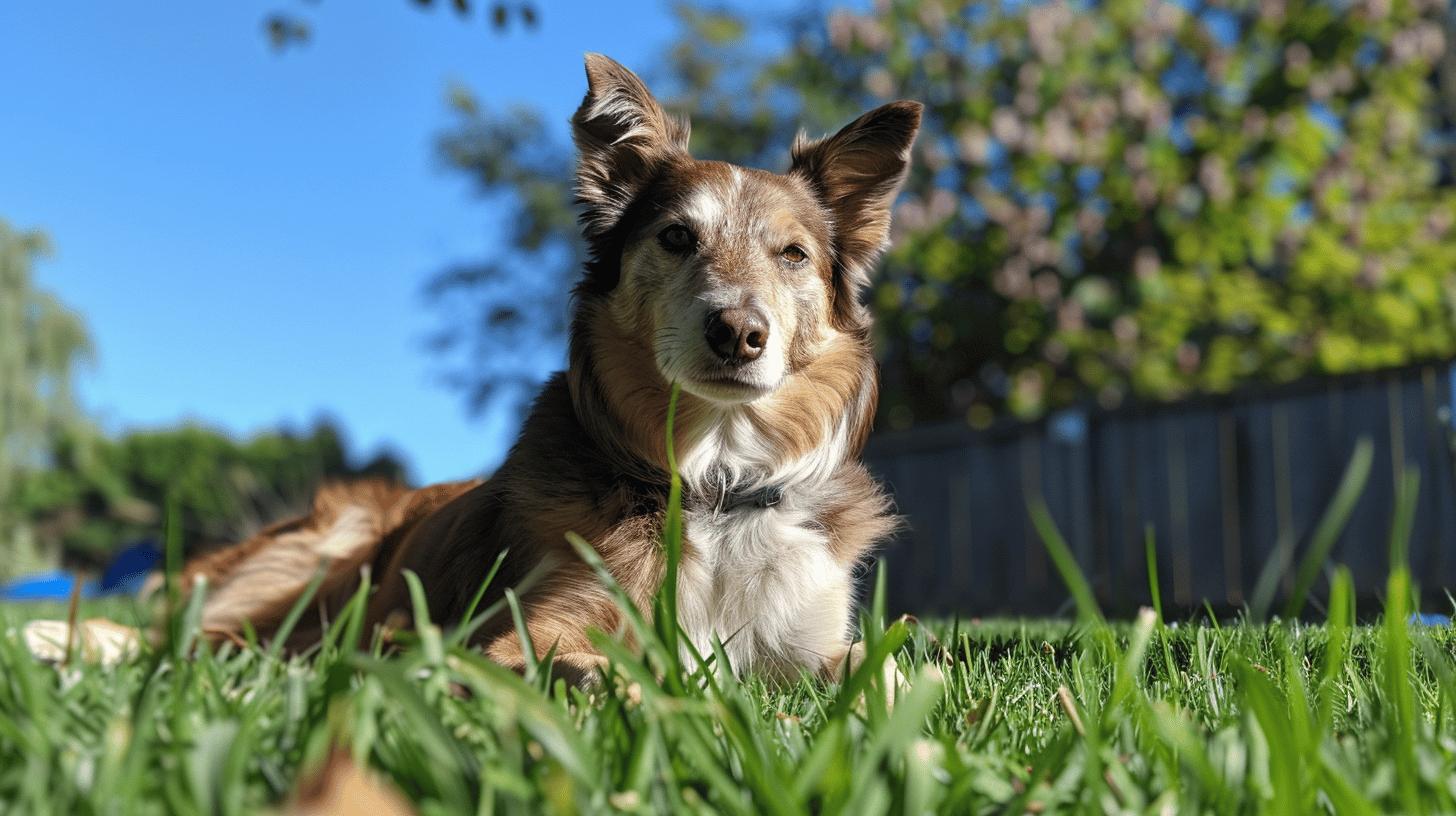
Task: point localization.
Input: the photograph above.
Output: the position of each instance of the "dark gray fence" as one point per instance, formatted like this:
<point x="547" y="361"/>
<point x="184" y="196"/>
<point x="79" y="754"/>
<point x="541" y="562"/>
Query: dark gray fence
<point x="1220" y="479"/>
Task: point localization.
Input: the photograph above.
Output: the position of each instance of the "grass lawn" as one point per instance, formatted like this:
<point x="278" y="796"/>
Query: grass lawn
<point x="1000" y="716"/>
<point x="996" y="717"/>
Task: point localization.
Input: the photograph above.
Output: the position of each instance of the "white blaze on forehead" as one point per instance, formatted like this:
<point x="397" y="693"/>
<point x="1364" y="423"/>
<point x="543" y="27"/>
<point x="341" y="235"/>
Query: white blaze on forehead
<point x="712" y="207"/>
<point x="706" y="207"/>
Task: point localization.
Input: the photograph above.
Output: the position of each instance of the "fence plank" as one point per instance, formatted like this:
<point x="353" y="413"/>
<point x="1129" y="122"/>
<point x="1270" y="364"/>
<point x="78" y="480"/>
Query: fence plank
<point x="1437" y="388"/>
<point x="1220" y="480"/>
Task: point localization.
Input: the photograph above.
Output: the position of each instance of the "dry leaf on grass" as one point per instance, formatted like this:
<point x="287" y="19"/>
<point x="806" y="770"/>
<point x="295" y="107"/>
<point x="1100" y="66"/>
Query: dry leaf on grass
<point x="341" y="787"/>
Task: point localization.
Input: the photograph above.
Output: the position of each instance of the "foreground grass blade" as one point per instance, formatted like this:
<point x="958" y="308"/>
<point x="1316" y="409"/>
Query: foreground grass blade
<point x="1064" y="561"/>
<point x="672" y="537"/>
<point x="1337" y="647"/>
<point x="1331" y="524"/>
<point x="1400" y="708"/>
<point x="1150" y="551"/>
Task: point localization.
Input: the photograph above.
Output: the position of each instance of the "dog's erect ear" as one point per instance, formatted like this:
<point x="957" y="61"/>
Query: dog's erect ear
<point x="856" y="173"/>
<point x="622" y="135"/>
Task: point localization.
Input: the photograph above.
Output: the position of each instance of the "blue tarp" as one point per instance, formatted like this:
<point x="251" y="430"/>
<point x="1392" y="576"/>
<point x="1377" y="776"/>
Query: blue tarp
<point x="123" y="576"/>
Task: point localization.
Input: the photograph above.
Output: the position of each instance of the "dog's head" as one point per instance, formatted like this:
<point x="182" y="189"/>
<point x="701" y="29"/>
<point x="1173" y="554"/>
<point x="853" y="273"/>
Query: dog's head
<point x="731" y="278"/>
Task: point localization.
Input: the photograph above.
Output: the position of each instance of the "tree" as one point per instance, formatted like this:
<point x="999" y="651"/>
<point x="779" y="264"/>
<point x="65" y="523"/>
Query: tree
<point x="1152" y="199"/>
<point x="99" y="493"/>
<point x="504" y="318"/>
<point x="41" y="344"/>
<point x="1110" y="201"/>
<point x="285" y="29"/>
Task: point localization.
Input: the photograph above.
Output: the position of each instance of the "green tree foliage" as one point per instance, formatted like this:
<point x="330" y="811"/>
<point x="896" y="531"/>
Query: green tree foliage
<point x="1111" y="200"/>
<point x="500" y="313"/>
<point x="99" y="493"/>
<point x="41" y="344"/>
<point x="286" y="29"/>
<point x="1147" y="199"/>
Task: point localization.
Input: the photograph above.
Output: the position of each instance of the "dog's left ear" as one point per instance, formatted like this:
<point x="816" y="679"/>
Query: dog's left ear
<point x="856" y="173"/>
<point x="623" y="136"/>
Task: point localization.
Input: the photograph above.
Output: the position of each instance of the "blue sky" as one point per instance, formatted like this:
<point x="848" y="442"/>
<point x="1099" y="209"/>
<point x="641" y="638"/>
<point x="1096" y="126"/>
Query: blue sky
<point x="247" y="232"/>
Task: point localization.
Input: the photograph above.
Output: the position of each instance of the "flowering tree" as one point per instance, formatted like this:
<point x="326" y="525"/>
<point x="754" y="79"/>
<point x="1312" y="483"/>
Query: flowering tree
<point x="1149" y="199"/>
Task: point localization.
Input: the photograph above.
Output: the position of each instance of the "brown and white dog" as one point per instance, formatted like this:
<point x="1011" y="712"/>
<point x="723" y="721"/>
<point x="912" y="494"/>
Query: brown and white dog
<point x="743" y="286"/>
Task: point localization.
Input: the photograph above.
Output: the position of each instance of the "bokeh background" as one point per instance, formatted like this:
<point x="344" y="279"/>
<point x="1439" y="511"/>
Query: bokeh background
<point x="247" y="247"/>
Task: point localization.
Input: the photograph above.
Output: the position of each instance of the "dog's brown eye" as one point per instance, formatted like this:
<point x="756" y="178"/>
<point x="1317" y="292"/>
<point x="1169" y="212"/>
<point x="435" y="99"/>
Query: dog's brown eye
<point x="676" y="238"/>
<point x="793" y="254"/>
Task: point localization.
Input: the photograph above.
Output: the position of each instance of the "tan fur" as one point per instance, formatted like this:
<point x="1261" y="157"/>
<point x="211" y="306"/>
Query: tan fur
<point x="592" y="457"/>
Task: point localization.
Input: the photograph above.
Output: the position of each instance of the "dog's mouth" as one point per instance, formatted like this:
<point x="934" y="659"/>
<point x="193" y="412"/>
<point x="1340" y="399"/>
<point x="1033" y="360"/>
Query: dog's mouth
<point x="727" y="387"/>
<point x="707" y="377"/>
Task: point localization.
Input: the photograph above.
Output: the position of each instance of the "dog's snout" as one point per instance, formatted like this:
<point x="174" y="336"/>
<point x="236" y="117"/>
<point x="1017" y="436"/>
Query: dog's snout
<point x="737" y="335"/>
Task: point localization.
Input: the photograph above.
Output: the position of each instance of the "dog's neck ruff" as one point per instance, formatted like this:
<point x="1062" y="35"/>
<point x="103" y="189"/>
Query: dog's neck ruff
<point x="726" y="497"/>
<point x="721" y="497"/>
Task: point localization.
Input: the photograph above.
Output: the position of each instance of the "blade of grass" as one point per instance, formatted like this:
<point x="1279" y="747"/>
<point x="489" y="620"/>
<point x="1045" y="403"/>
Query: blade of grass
<point x="463" y="631"/>
<point x="432" y="641"/>
<point x="1337" y="647"/>
<point x="295" y="614"/>
<point x="1267" y="585"/>
<point x="352" y="620"/>
<point x="172" y="571"/>
<point x="1064" y="561"/>
<point x="1286" y="775"/>
<point x="665" y="611"/>
<point x="528" y="648"/>
<point x="1400" y="713"/>
<point x="1331" y="524"/>
<point x="1150" y="551"/>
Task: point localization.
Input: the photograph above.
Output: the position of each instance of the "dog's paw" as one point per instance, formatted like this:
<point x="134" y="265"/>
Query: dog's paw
<point x="95" y="641"/>
<point x="892" y="681"/>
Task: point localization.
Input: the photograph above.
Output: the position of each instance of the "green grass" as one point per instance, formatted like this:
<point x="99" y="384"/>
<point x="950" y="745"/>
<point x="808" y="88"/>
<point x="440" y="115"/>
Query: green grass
<point x="999" y="717"/>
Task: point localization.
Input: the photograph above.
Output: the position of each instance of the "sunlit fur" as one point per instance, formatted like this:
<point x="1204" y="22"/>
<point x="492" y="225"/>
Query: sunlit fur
<point x="774" y="584"/>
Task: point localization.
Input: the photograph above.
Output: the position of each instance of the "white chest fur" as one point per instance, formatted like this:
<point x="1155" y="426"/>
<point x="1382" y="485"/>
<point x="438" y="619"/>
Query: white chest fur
<point x="765" y="584"/>
<point x="762" y="580"/>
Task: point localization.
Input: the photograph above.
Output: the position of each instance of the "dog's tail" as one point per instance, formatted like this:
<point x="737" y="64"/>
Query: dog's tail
<point x="259" y="580"/>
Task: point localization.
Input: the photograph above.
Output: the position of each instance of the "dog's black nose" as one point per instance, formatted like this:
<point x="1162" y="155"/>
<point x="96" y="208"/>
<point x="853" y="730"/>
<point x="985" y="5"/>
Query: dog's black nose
<point x="737" y="335"/>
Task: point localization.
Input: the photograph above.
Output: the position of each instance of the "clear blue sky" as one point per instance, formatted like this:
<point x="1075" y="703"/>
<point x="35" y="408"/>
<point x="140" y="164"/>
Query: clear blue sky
<point x="247" y="232"/>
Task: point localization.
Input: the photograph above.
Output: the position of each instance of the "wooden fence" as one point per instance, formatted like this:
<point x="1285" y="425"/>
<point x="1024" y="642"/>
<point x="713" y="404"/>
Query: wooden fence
<point x="1220" y="479"/>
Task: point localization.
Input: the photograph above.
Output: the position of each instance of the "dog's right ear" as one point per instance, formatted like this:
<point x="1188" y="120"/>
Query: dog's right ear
<point x="622" y="136"/>
<point x="857" y="173"/>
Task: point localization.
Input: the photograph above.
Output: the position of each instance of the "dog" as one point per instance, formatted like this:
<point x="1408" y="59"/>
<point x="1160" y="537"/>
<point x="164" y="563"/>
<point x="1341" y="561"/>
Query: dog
<point x="742" y="286"/>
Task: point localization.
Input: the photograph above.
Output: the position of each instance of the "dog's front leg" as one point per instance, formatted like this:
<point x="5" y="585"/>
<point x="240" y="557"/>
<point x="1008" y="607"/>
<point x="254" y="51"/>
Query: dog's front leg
<point x="557" y="615"/>
<point x="582" y="669"/>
